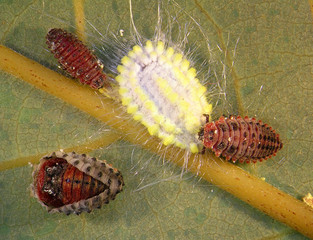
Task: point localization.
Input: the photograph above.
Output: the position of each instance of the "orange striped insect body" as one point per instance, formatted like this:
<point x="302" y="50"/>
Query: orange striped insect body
<point x="73" y="183"/>
<point x="242" y="139"/>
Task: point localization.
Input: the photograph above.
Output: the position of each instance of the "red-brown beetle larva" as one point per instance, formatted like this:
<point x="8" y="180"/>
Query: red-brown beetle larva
<point x="241" y="139"/>
<point x="76" y="58"/>
<point x="73" y="183"/>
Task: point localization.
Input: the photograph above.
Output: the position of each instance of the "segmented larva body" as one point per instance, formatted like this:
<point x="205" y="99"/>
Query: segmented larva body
<point x="73" y="183"/>
<point x="242" y="139"/>
<point x="76" y="58"/>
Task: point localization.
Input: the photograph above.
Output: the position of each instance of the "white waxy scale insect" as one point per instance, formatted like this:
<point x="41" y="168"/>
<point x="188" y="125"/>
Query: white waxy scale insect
<point x="161" y="91"/>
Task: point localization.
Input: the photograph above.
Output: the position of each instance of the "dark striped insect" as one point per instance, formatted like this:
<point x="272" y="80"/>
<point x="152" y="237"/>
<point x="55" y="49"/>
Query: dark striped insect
<point x="73" y="183"/>
<point x="76" y="59"/>
<point x="242" y="139"/>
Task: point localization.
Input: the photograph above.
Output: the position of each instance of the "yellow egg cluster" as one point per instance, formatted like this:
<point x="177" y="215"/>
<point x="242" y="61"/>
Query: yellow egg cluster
<point x="161" y="91"/>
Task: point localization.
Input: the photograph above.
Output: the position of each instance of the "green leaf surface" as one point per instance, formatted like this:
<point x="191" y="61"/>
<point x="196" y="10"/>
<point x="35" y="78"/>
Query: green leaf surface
<point x="265" y="51"/>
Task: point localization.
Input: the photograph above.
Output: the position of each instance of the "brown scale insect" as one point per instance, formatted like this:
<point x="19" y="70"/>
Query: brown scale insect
<point x="242" y="139"/>
<point x="76" y="58"/>
<point x="73" y="183"/>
